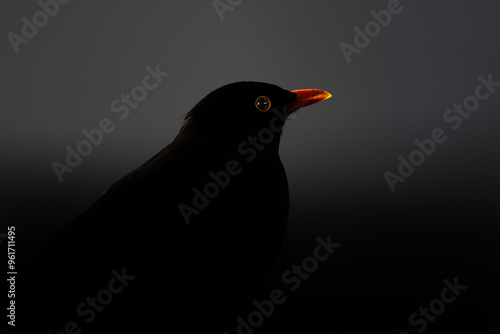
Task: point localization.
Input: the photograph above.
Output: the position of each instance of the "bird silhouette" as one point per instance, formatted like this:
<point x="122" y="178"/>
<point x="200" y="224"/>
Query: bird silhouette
<point x="180" y="241"/>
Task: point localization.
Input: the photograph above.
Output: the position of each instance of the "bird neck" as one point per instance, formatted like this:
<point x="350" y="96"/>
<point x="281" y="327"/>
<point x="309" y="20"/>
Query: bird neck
<point x="229" y="137"/>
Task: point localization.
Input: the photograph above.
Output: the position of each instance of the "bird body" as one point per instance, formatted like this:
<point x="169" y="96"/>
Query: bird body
<point x="194" y="228"/>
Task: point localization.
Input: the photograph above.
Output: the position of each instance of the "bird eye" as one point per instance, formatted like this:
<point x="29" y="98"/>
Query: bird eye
<point x="263" y="103"/>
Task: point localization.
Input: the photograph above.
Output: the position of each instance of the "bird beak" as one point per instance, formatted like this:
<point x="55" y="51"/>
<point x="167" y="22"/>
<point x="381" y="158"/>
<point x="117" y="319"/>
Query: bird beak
<point x="306" y="97"/>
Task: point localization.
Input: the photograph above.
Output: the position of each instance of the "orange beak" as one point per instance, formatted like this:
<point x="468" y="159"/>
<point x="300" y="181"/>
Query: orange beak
<point x="306" y="97"/>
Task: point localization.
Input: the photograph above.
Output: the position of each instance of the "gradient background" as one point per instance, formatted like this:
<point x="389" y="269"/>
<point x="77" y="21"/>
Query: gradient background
<point x="397" y="248"/>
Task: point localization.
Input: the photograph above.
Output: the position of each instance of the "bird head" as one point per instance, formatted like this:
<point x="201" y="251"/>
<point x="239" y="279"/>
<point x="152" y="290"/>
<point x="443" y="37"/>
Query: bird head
<point x="245" y="108"/>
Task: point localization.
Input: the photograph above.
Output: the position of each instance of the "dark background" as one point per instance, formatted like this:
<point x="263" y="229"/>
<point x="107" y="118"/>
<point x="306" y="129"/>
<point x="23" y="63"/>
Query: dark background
<point x="397" y="248"/>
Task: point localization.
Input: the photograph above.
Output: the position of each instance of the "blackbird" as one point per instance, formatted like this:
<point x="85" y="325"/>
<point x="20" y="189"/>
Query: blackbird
<point x="180" y="241"/>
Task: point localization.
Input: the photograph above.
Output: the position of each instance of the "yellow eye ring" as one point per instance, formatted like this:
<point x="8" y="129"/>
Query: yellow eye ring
<point x="263" y="103"/>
